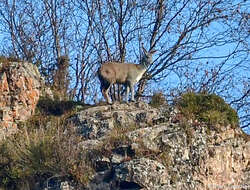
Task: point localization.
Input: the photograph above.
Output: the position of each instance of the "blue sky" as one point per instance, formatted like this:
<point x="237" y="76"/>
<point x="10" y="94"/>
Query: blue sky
<point x="173" y="80"/>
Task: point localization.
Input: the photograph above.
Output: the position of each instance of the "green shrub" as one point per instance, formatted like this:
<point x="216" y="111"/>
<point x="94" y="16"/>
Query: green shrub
<point x="4" y="59"/>
<point x="209" y="108"/>
<point x="57" y="107"/>
<point x="157" y="100"/>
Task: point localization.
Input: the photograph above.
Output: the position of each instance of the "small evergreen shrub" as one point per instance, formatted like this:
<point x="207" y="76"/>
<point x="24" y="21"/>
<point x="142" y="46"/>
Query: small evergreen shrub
<point x="58" y="107"/>
<point x="61" y="78"/>
<point x="208" y="108"/>
<point x="4" y="59"/>
<point x="157" y="100"/>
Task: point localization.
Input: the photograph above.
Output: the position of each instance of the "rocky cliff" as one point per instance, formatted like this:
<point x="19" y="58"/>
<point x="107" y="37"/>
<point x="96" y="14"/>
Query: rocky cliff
<point x="126" y="146"/>
<point x="141" y="147"/>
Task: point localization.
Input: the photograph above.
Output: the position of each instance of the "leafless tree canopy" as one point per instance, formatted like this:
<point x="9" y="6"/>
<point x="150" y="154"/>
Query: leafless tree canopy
<point x="202" y="45"/>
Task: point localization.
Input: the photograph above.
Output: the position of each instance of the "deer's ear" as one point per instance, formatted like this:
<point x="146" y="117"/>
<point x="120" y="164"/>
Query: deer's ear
<point x="152" y="51"/>
<point x="144" y="50"/>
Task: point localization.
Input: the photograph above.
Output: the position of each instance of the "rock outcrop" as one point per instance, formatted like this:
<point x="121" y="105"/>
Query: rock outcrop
<point x="20" y="85"/>
<point x="152" y="148"/>
<point x="135" y="146"/>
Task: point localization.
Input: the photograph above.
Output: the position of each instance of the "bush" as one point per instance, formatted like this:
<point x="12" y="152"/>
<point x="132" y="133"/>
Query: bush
<point x="40" y="153"/>
<point x="157" y="100"/>
<point x="48" y="106"/>
<point x="208" y="108"/>
<point x="4" y="59"/>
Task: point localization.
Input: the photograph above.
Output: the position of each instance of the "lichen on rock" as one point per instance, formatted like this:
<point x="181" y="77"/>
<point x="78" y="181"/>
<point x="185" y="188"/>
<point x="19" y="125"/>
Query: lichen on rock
<point x="192" y="155"/>
<point x="20" y="85"/>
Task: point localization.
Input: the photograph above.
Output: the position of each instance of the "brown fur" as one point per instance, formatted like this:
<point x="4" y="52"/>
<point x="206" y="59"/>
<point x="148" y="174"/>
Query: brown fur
<point x="120" y="73"/>
<point x="123" y="73"/>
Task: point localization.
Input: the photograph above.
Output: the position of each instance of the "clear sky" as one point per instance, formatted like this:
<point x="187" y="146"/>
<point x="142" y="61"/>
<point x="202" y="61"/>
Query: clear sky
<point x="177" y="76"/>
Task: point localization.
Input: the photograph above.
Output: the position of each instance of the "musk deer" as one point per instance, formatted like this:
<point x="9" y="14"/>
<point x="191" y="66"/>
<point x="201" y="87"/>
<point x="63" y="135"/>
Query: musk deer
<point x="127" y="74"/>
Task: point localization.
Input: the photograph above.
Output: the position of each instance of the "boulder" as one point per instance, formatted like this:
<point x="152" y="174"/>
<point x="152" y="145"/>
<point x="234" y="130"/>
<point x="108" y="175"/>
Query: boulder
<point x="97" y="122"/>
<point x="141" y="173"/>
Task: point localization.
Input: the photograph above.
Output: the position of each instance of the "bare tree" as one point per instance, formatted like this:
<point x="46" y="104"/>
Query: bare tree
<point x="16" y="19"/>
<point x="201" y="45"/>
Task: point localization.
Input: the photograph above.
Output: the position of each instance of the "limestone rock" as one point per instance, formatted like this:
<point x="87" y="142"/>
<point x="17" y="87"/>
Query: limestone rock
<point x="163" y="152"/>
<point x="98" y="121"/>
<point x="146" y="173"/>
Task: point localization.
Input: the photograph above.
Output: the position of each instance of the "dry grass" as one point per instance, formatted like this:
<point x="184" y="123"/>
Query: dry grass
<point x="43" y="151"/>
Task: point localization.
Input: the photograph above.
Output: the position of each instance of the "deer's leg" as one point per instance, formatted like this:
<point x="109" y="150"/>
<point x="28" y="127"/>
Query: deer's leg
<point x="112" y="92"/>
<point x="131" y="86"/>
<point x="119" y="93"/>
<point x="127" y="93"/>
<point x="105" y="91"/>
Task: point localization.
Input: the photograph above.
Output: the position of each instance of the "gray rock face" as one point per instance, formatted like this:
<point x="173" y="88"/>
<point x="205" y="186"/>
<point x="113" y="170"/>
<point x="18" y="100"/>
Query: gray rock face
<point x="144" y="172"/>
<point x="98" y="121"/>
<point x="159" y="151"/>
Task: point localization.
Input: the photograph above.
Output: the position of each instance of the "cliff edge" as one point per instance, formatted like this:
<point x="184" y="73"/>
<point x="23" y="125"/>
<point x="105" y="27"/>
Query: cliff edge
<point x="120" y="146"/>
<point x="142" y="147"/>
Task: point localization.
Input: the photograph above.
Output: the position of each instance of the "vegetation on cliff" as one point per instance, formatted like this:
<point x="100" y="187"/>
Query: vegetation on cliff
<point x="49" y="144"/>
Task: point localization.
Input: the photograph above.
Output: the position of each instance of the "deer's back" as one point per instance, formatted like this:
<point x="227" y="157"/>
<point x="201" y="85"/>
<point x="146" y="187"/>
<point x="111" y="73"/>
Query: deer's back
<point x="115" y="72"/>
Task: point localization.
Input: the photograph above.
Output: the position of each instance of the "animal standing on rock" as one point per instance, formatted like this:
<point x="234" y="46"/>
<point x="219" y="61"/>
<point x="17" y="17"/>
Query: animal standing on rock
<point x="127" y="74"/>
